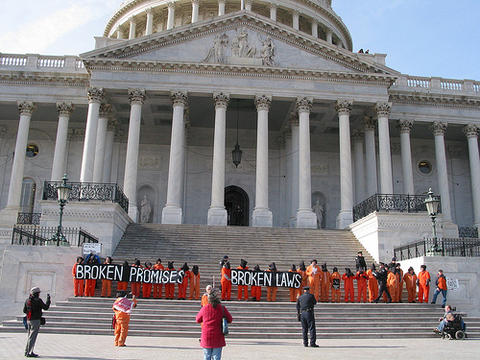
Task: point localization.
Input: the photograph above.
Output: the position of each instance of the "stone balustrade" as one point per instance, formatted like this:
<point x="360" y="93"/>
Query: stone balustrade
<point x="33" y="62"/>
<point x="436" y="84"/>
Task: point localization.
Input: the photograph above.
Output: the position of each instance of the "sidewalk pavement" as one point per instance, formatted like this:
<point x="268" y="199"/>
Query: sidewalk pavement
<point x="98" y="347"/>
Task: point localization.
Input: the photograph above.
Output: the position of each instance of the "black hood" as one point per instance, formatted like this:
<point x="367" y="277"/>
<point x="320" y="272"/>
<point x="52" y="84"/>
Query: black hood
<point x="324" y="267"/>
<point x="335" y="269"/>
<point x="302" y="266"/>
<point x="293" y="268"/>
<point x="256" y="268"/>
<point x="170" y="265"/>
<point x="272" y="267"/>
<point x="185" y="267"/>
<point x="195" y="269"/>
<point x="243" y="263"/>
<point x="348" y="272"/>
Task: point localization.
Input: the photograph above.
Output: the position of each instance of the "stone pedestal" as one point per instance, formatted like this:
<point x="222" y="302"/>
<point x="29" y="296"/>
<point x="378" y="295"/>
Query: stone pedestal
<point x="262" y="218"/>
<point x="306" y="219"/>
<point x="172" y="215"/>
<point x="344" y="219"/>
<point x="217" y="216"/>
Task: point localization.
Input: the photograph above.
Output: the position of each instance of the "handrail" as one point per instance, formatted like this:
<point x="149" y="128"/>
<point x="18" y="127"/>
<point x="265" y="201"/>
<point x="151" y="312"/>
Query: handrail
<point x="464" y="247"/>
<point x="43" y="235"/>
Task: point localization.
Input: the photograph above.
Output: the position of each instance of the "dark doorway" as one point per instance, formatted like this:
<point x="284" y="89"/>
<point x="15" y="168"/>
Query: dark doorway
<point x="236" y="203"/>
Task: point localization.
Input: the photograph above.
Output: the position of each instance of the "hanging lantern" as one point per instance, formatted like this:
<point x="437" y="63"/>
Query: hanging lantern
<point x="237" y="155"/>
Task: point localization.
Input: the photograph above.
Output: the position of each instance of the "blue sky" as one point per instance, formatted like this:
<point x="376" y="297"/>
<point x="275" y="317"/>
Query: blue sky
<point x="420" y="37"/>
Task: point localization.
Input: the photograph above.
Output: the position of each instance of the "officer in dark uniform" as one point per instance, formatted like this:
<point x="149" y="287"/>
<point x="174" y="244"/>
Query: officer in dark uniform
<point x="305" y="314"/>
<point x="381" y="276"/>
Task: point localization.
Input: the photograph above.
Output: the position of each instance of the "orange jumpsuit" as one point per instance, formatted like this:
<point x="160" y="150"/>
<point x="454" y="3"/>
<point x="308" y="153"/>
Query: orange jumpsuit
<point x="146" y="289"/>
<point x="226" y="284"/>
<point x="400" y="285"/>
<point x="325" y="286"/>
<point x="204" y="300"/>
<point x="122" y="286"/>
<point x="361" y="286"/>
<point x="122" y="320"/>
<point x="313" y="272"/>
<point x="336" y="293"/>
<point x="170" y="289"/>
<point x="194" y="286"/>
<point x="372" y="286"/>
<point x="242" y="289"/>
<point x="348" y="287"/>
<point x="77" y="284"/>
<point x="411" y="285"/>
<point x="423" y="286"/>
<point x="392" y="286"/>
<point x="136" y="285"/>
<point x="106" y="287"/>
<point x="90" y="287"/>
<point x="182" y="287"/>
<point x="293" y="291"/>
<point x="271" y="291"/>
<point x="158" y="288"/>
<point x="304" y="282"/>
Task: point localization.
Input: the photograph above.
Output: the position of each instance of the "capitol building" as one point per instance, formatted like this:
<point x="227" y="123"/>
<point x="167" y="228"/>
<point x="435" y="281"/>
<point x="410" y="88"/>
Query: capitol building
<point x="231" y="112"/>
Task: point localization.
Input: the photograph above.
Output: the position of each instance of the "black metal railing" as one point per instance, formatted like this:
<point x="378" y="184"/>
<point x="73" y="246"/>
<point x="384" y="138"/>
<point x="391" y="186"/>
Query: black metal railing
<point x="28" y="218"/>
<point x="468" y="231"/>
<point x="441" y="247"/>
<point x="42" y="235"/>
<point x="390" y="203"/>
<point x="85" y="191"/>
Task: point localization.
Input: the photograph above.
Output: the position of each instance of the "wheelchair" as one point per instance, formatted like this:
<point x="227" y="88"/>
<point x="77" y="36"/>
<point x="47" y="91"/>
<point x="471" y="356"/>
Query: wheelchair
<point x="454" y="330"/>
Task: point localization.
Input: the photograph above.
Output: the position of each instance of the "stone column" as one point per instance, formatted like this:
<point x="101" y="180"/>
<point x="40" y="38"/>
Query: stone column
<point x="294" y="153"/>
<point x="108" y="158"/>
<point x="119" y="34"/>
<point x="370" y="155"/>
<point x="306" y="218"/>
<point x="136" y="98"/>
<point x="104" y="113"/>
<point x="16" y="178"/>
<point x="386" y="178"/>
<point x="195" y="5"/>
<point x="171" y="15"/>
<point x="296" y="20"/>
<point x="133" y="29"/>
<point x="149" y="23"/>
<point x="221" y="7"/>
<point x="242" y="4"/>
<point x="217" y="214"/>
<point x="315" y="29"/>
<point x="248" y="5"/>
<point x="359" y="163"/>
<point x="407" y="169"/>
<point x="471" y="131"/>
<point x="273" y="11"/>
<point x="262" y="216"/>
<point x="345" y="216"/>
<point x="329" y="36"/>
<point x="439" y="129"/>
<point x="60" y="154"/>
<point x="95" y="97"/>
<point x="172" y="212"/>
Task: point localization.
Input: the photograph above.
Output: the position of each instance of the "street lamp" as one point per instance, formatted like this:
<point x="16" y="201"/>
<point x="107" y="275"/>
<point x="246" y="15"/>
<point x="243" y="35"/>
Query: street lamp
<point x="432" y="202"/>
<point x="63" y="190"/>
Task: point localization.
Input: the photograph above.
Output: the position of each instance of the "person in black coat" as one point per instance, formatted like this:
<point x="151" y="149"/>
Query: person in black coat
<point x="305" y="314"/>
<point x="381" y="276"/>
<point x="33" y="309"/>
<point x="360" y="262"/>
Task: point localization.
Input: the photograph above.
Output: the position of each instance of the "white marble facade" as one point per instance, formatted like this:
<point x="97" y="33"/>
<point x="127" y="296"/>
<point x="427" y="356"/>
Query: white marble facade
<point x="160" y="120"/>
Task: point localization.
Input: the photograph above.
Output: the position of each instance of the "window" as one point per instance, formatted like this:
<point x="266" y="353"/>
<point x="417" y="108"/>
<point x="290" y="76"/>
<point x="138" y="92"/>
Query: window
<point x="32" y="150"/>
<point x="425" y="167"/>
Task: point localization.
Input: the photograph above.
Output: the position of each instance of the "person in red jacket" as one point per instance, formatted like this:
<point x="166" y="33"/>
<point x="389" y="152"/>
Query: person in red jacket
<point x="147" y="287"/>
<point x="158" y="288"/>
<point x="77" y="283"/>
<point x="324" y="284"/>
<point x="441" y="288"/>
<point x="136" y="285"/>
<point x="242" y="289"/>
<point x="423" y="282"/>
<point x="362" y="279"/>
<point x="194" y="283"/>
<point x="293" y="291"/>
<point x="210" y="316"/>
<point x="335" y="283"/>
<point x="372" y="284"/>
<point x="226" y="281"/>
<point x="256" y="291"/>
<point x="182" y="287"/>
<point x="347" y="278"/>
<point x="170" y="288"/>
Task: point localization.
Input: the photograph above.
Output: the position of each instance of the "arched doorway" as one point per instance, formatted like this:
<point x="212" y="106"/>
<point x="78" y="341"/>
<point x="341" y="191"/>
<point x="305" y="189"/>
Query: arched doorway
<point x="237" y="205"/>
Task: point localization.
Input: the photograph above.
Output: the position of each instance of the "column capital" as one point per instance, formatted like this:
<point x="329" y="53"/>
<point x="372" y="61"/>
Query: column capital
<point x="26" y="107"/>
<point x="304" y="104"/>
<point x="439" y="128"/>
<point x="293" y="120"/>
<point x="136" y="96"/>
<point x="272" y="5"/>
<point x="263" y="102"/>
<point x="179" y="98"/>
<point x="369" y="123"/>
<point x="95" y="95"/>
<point x="171" y="5"/>
<point x="65" y="108"/>
<point x="149" y="10"/>
<point x="383" y="108"/>
<point x="343" y="106"/>
<point x="105" y="110"/>
<point x="195" y="1"/>
<point x="405" y="126"/>
<point x="470" y="130"/>
<point x="221" y="99"/>
<point x="357" y="135"/>
<point x="112" y="124"/>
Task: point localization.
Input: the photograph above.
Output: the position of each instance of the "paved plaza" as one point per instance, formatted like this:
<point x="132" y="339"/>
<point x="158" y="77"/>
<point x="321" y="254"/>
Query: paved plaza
<point x="94" y="347"/>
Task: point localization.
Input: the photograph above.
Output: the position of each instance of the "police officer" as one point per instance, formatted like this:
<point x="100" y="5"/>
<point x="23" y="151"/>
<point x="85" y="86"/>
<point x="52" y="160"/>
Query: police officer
<point x="381" y="276"/>
<point x="305" y="314"/>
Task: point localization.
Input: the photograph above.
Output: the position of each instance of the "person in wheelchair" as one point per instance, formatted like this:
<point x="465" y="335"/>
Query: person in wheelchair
<point x="451" y="326"/>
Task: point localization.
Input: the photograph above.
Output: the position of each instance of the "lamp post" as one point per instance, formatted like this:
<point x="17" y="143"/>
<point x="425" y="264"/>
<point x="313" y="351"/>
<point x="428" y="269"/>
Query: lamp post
<point x="63" y="190"/>
<point x="432" y="202"/>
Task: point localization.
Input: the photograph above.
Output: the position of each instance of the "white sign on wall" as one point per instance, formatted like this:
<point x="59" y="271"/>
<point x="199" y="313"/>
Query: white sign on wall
<point x="96" y="248"/>
<point x="452" y="284"/>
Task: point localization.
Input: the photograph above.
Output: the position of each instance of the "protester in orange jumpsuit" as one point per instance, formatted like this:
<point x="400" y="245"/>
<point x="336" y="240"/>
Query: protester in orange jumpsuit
<point x="226" y="282"/>
<point x="170" y="288"/>
<point x="122" y="285"/>
<point x="77" y="283"/>
<point x="122" y="308"/>
<point x="324" y="284"/>
<point x="347" y="278"/>
<point x="242" y="289"/>
<point x="194" y="283"/>
<point x="410" y="279"/>
<point x="392" y="285"/>
<point x="423" y="283"/>
<point x="362" y="279"/>
<point x="256" y="291"/>
<point x="134" y="284"/>
<point x="208" y="290"/>
<point x="293" y="291"/>
<point x="399" y="275"/>
<point x="335" y="279"/>
<point x="302" y="270"/>
<point x="90" y="284"/>
<point x="158" y="288"/>
<point x="147" y="287"/>
<point x="107" y="284"/>
<point x="372" y="284"/>
<point x="272" y="290"/>
<point x="314" y="274"/>
<point x="182" y="287"/>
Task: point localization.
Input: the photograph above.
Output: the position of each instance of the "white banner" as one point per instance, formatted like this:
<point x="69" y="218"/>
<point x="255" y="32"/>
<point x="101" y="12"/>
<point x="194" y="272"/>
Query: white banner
<point x="96" y="248"/>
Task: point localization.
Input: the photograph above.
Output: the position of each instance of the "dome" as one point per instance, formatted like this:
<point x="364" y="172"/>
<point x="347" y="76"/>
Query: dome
<point x="137" y="18"/>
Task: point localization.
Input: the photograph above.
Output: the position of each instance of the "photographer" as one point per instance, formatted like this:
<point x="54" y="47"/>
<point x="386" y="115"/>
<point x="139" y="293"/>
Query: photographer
<point x="33" y="309"/>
